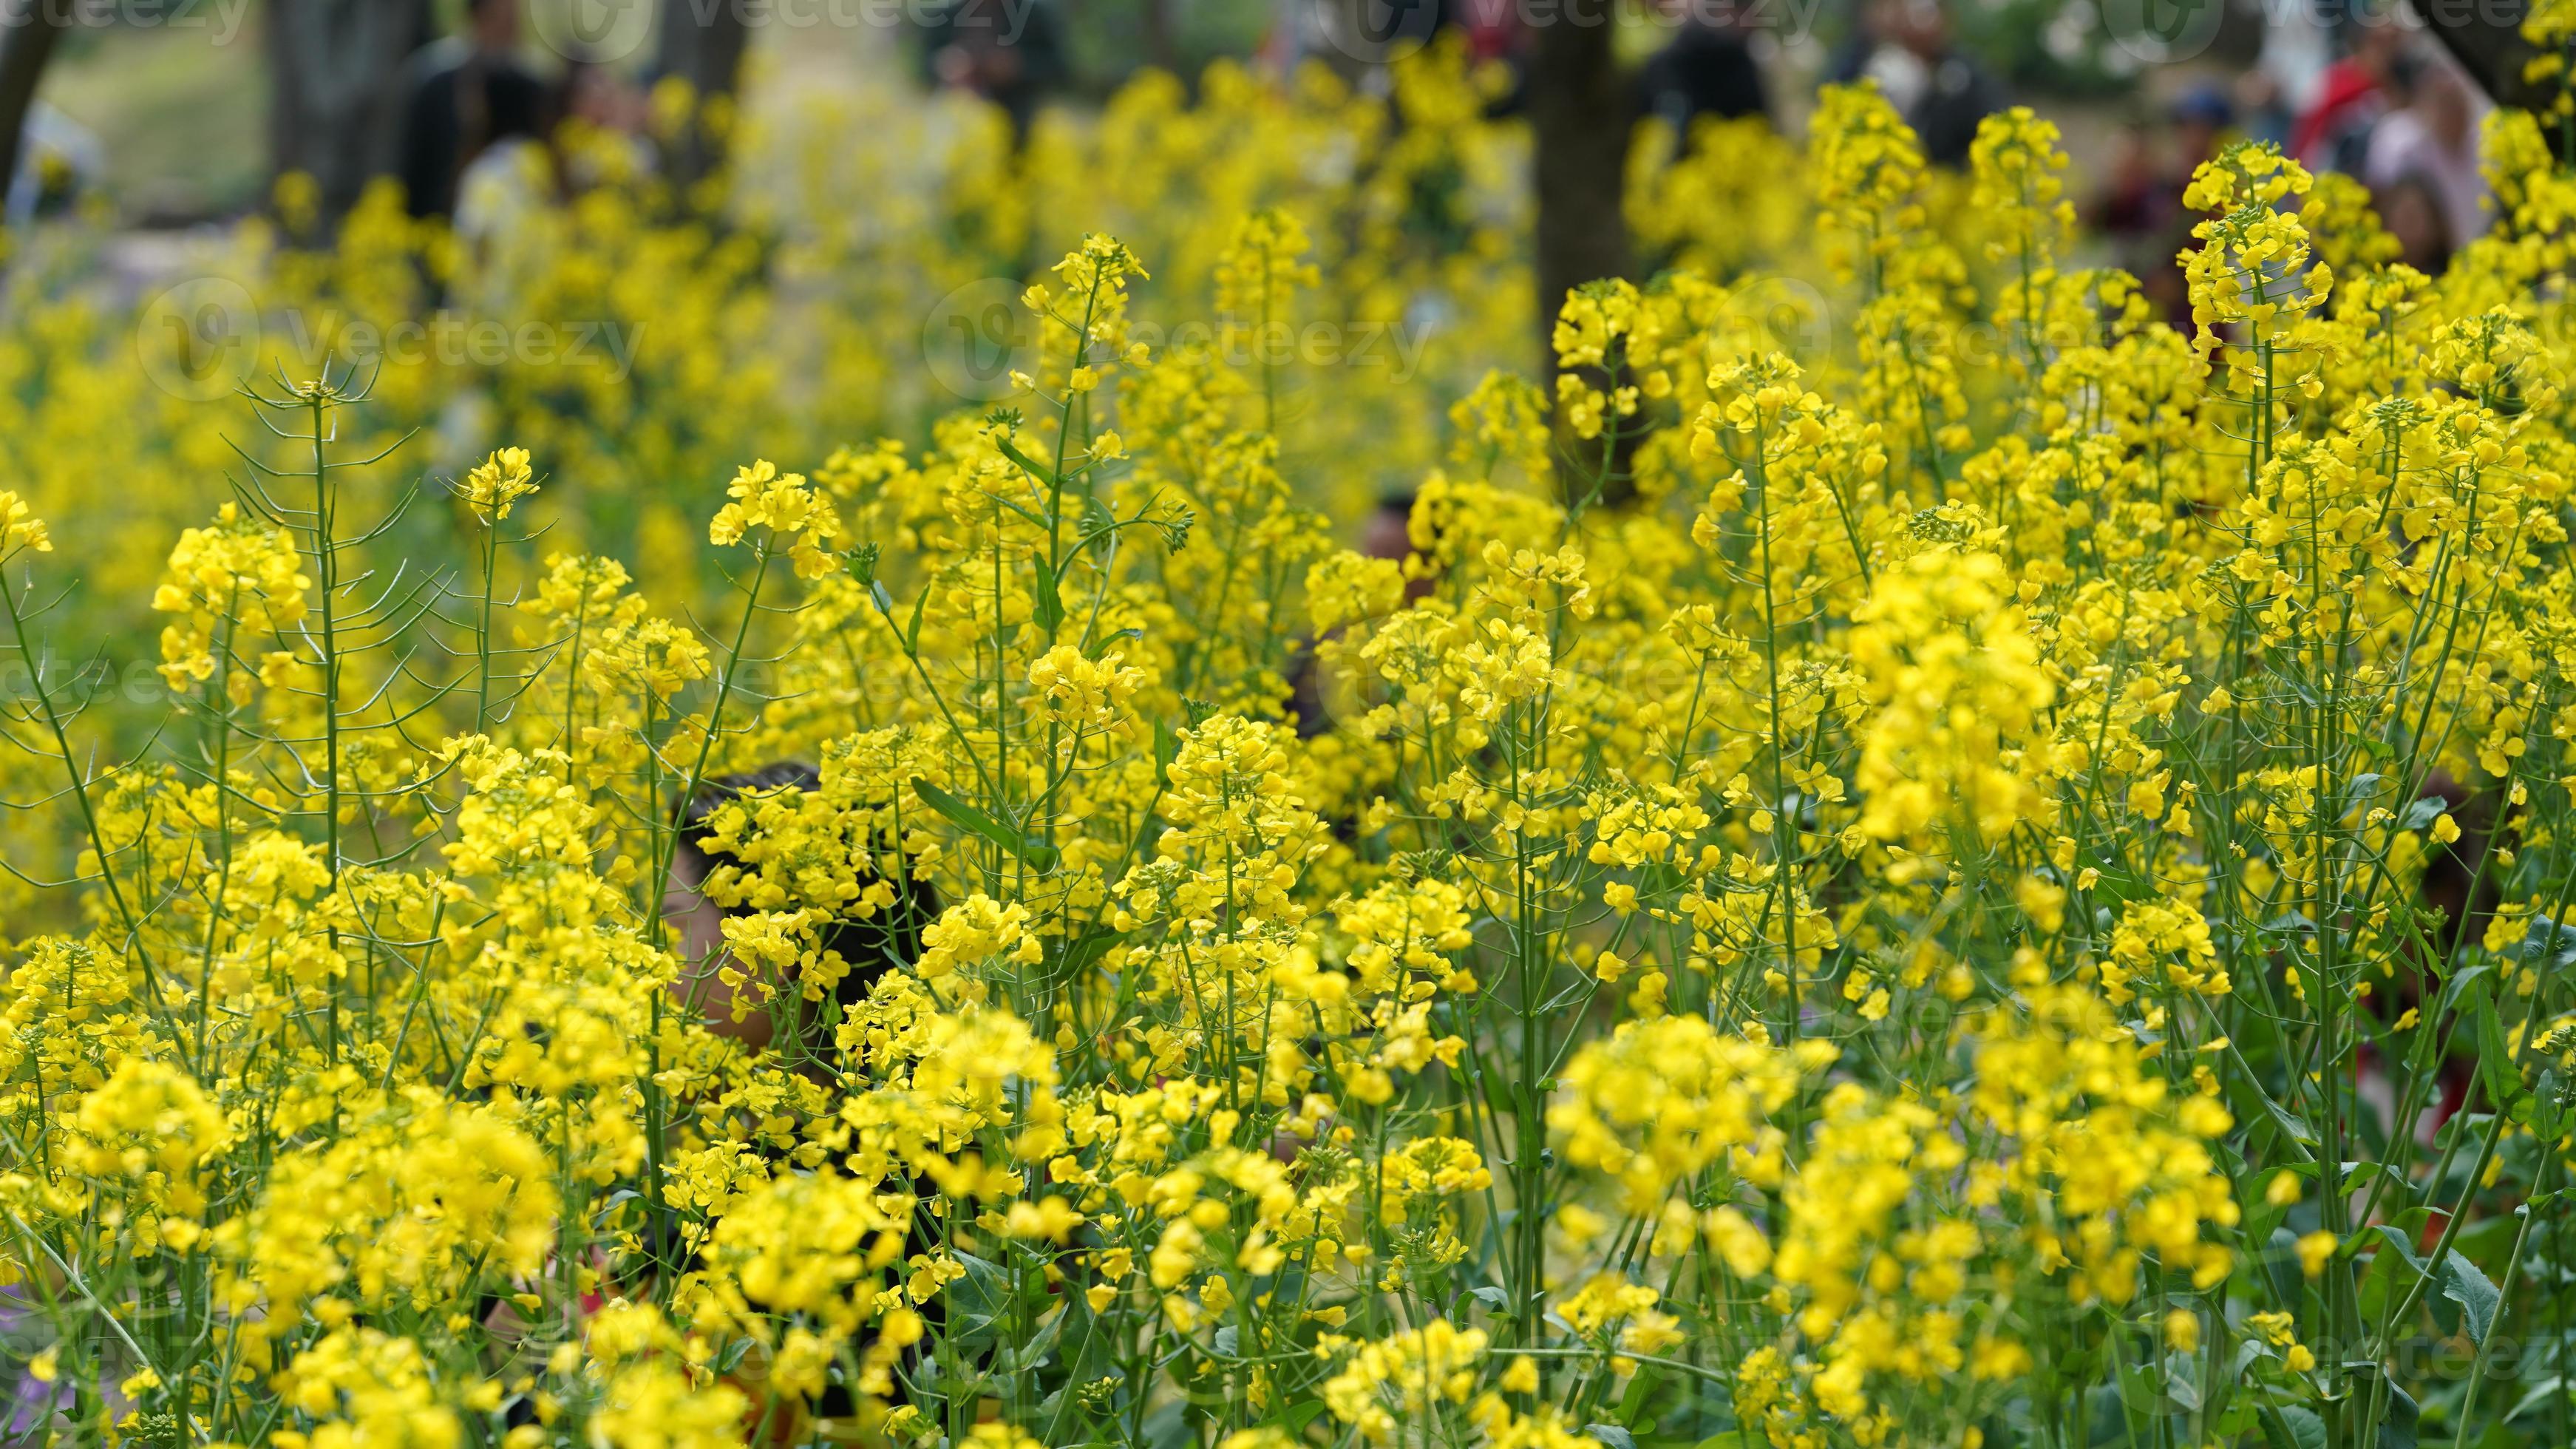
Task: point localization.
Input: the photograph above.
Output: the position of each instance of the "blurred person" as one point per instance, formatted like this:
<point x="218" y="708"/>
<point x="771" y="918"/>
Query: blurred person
<point x="1357" y="39"/>
<point x="602" y="137"/>
<point x="461" y="92"/>
<point x="2433" y="141"/>
<point x="59" y="161"/>
<point x="2141" y="210"/>
<point x="1386" y="533"/>
<point x="2135" y="200"/>
<point x="886" y="941"/>
<point x="2263" y="105"/>
<point x="2412" y="210"/>
<point x="1906" y="46"/>
<point x="605" y="99"/>
<point x="2333" y="133"/>
<point x="882" y="942"/>
<point x="501" y="197"/>
<point x="1495" y="30"/>
<point x="1707" y="69"/>
<point x="2202" y="118"/>
<point x="2299" y="44"/>
<point x="1009" y="52"/>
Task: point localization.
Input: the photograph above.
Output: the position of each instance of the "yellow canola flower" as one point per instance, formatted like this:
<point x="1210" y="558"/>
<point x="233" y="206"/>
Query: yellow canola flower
<point x="498" y="484"/>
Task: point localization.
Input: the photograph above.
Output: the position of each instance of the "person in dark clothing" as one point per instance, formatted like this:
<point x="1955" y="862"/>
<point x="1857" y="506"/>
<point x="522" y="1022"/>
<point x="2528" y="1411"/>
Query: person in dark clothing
<point x="2140" y="211"/>
<point x="464" y="94"/>
<point x="872" y="946"/>
<point x="1387" y="534"/>
<point x="1906" y="46"/>
<point x="2411" y="208"/>
<point x="1010" y="52"/>
<point x="1707" y="70"/>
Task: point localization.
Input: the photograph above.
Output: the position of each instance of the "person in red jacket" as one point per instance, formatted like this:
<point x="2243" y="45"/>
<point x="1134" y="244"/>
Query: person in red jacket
<point x="2333" y="133"/>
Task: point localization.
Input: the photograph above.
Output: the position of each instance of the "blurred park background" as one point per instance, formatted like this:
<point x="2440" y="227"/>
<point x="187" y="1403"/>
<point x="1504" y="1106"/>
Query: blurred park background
<point x="652" y="239"/>
<point x="154" y="117"/>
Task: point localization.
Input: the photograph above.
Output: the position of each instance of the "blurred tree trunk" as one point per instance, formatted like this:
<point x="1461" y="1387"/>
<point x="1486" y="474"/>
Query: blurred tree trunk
<point x="1161" y="51"/>
<point x="336" y="89"/>
<point x="1580" y="113"/>
<point x="33" y="27"/>
<point x="702" y="44"/>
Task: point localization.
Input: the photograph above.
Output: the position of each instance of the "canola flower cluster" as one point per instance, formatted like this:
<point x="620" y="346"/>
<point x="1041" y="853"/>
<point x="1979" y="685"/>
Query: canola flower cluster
<point x="1845" y="895"/>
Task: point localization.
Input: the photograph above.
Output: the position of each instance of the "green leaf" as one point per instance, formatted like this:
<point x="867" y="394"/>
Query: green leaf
<point x="2404" y="1245"/>
<point x="2456" y="987"/>
<point x="2423" y="812"/>
<point x="2548" y="1118"/>
<point x="1030" y="1355"/>
<point x="1049" y="606"/>
<point x="2182" y="1382"/>
<point x="2119" y="883"/>
<point x="2495" y="1057"/>
<point x="2291" y="1122"/>
<point x="1079" y="952"/>
<point x="2392" y="1271"/>
<point x="2293" y="1428"/>
<point x="1035" y="853"/>
<point x="976" y="1301"/>
<point x="1612" y="1435"/>
<point x="1036" y="469"/>
<point x="2539" y="1394"/>
<point x="912" y="631"/>
<point x="2546" y="943"/>
<point x="2397" y="1431"/>
<point x="1101" y="645"/>
<point x="2280" y="1262"/>
<point x="2463" y="1284"/>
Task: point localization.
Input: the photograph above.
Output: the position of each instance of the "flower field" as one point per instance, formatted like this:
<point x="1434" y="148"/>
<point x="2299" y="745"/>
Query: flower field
<point x="944" y="846"/>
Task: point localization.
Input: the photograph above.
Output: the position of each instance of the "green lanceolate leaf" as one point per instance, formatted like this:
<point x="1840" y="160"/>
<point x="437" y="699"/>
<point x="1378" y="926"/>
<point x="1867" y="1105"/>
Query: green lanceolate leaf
<point x="1033" y="852"/>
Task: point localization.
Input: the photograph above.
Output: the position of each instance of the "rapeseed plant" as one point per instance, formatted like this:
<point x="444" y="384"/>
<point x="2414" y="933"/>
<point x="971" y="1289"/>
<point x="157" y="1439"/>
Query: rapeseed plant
<point x="1997" y="880"/>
